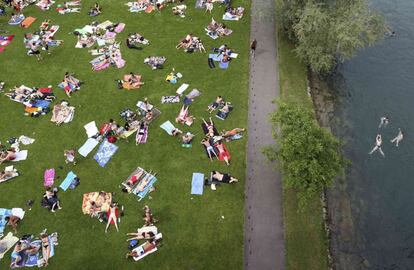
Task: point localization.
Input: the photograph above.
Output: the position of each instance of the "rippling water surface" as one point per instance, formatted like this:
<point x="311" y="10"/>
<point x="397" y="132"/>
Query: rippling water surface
<point x="378" y="82"/>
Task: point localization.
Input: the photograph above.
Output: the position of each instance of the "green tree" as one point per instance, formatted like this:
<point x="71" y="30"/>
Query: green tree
<point x="327" y="32"/>
<point x="308" y="156"/>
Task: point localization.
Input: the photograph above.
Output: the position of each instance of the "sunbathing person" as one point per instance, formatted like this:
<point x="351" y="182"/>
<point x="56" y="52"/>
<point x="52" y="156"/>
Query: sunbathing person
<point x="223" y="177"/>
<point x="148" y="217"/>
<point x="209" y="127"/>
<point x="8" y="155"/>
<point x="5" y="175"/>
<point x="16" y="255"/>
<point x="52" y="199"/>
<point x="134" y="81"/>
<point x="141" y="235"/>
<point x="232" y="132"/>
<point x="148" y="246"/>
<point x="179" y="10"/>
<point x="223" y="153"/>
<point x="112" y="217"/>
<point x="44" y="237"/>
<point x="209" y="148"/>
<point x="213" y="106"/>
<point x="134" y="39"/>
<point x="156" y="62"/>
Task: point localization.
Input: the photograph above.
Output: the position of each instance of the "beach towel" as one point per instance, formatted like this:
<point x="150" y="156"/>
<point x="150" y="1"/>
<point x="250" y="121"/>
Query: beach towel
<point x="170" y="99"/>
<point x="197" y="184"/>
<point x="143" y="193"/>
<point x="88" y="146"/>
<point x="14" y="174"/>
<point x="3" y="214"/>
<point x="105" y="152"/>
<point x="228" y="17"/>
<point x="68" y="180"/>
<point x="120" y="27"/>
<point x="27" y="22"/>
<point x="200" y="4"/>
<point x="237" y="136"/>
<point x="222" y="116"/>
<point x="215" y="57"/>
<point x="182" y="88"/>
<point x="7" y="243"/>
<point x="18" y="20"/>
<point x="91" y="129"/>
<point x="191" y="96"/>
<point x="142" y="138"/>
<point x="168" y="127"/>
<point x="141" y="254"/>
<point x="22" y="155"/>
<point x="49" y="178"/>
<point x="105" y="24"/>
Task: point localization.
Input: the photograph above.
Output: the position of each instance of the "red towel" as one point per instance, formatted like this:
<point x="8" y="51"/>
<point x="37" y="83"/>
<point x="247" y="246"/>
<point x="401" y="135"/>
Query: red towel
<point x="116" y="214"/>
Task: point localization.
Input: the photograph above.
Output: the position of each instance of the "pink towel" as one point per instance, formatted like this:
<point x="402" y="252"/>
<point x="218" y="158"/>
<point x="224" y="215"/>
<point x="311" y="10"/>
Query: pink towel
<point x="49" y="177"/>
<point x="120" y="28"/>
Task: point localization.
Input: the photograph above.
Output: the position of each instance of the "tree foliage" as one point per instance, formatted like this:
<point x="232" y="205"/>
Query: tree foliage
<point x="308" y="156"/>
<point x="330" y="31"/>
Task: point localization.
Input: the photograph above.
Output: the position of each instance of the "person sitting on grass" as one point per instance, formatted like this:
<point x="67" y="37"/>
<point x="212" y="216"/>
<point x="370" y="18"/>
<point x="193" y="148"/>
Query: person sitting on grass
<point x="52" y="200"/>
<point x="187" y="138"/>
<point x="12" y="221"/>
<point x="95" y="10"/>
<point x="70" y="156"/>
<point x="148" y="217"/>
<point x="4" y="175"/>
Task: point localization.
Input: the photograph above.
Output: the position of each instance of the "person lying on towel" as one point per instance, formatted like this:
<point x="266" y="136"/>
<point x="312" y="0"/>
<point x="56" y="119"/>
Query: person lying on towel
<point x="131" y="81"/>
<point x="148" y="246"/>
<point x="134" y="180"/>
<point x="232" y="132"/>
<point x="6" y="175"/>
<point x="7" y="155"/>
<point x="213" y="106"/>
<point x="134" y="39"/>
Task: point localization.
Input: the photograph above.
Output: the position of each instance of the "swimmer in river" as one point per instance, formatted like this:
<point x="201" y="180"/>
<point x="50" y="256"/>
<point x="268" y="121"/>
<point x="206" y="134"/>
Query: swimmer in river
<point x="384" y="121"/>
<point x="378" y="142"/>
<point x="398" y="138"/>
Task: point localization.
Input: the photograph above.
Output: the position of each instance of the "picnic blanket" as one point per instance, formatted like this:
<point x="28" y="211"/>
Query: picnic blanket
<point x="91" y="129"/>
<point x="168" y="127"/>
<point x="197" y="184"/>
<point x="27" y="22"/>
<point x="105" y="201"/>
<point x="170" y="99"/>
<point x="88" y="146"/>
<point x="7" y="243"/>
<point x="142" y="137"/>
<point x="49" y="178"/>
<point x="68" y="180"/>
<point x="105" y="152"/>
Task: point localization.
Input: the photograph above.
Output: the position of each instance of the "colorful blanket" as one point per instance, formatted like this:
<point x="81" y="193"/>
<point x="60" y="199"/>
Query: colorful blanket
<point x="105" y="152"/>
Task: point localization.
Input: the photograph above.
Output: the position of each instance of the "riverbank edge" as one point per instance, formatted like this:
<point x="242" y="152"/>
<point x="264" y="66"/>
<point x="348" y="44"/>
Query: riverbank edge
<point x="305" y="235"/>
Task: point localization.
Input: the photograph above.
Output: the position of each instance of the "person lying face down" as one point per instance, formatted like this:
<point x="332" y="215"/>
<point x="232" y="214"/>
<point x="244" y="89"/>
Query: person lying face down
<point x="7" y="156"/>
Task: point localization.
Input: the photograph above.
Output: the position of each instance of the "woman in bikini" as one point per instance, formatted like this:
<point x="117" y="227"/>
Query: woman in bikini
<point x="45" y="247"/>
<point x="209" y="127"/>
<point x="223" y="153"/>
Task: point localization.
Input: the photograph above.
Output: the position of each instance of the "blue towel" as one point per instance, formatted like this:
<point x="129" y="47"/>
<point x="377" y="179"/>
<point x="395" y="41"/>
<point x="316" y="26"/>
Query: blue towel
<point x="40" y="103"/>
<point x="105" y="152"/>
<point x="68" y="180"/>
<point x="197" y="184"/>
<point x="168" y="127"/>
<point x="224" y="65"/>
<point x="3" y="214"/>
<point x="88" y="146"/>
<point x="144" y="193"/>
<point x="215" y="57"/>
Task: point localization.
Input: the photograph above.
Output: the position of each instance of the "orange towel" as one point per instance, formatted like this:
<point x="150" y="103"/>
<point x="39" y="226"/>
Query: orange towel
<point x="27" y="22"/>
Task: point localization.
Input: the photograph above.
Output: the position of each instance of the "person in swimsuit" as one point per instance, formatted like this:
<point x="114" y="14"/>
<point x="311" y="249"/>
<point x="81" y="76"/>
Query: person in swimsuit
<point x="223" y="154"/>
<point x="112" y="217"/>
<point x="45" y="247"/>
<point x="223" y="177"/>
<point x="12" y="221"/>
<point x="232" y="132"/>
<point x="213" y="106"/>
<point x="16" y="257"/>
<point x="209" y="148"/>
<point x="398" y="138"/>
<point x="7" y="156"/>
<point x="141" y="235"/>
<point x="209" y="127"/>
<point x="377" y="146"/>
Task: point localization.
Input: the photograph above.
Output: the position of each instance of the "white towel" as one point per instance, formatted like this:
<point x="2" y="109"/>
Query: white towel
<point x="22" y="155"/>
<point x="88" y="146"/>
<point x="91" y="129"/>
<point x="182" y="88"/>
<point x="18" y="212"/>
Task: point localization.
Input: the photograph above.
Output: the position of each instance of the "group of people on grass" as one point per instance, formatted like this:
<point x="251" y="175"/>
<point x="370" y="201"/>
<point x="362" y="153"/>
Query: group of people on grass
<point x="102" y="207"/>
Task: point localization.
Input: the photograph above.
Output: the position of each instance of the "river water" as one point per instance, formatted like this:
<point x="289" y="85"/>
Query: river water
<point x="375" y="216"/>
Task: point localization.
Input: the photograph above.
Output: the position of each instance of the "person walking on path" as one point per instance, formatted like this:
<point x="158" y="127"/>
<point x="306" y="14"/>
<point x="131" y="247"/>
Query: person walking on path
<point x="253" y="46"/>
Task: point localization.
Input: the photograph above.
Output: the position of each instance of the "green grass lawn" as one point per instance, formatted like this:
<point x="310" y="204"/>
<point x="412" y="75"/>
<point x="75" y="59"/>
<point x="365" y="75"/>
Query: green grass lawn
<point x="304" y="231"/>
<point x="195" y="235"/>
